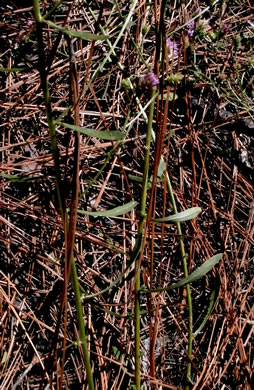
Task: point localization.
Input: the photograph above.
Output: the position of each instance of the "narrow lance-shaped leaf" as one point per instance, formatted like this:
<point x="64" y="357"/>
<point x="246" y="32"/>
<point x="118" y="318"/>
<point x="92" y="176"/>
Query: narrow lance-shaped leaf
<point x="77" y="34"/>
<point x="12" y="70"/>
<point x="137" y="179"/>
<point x="120" y="210"/>
<point x="17" y="179"/>
<point x="161" y="169"/>
<point x="195" y="275"/>
<point x="213" y="299"/>
<point x="183" y="216"/>
<point x="104" y="135"/>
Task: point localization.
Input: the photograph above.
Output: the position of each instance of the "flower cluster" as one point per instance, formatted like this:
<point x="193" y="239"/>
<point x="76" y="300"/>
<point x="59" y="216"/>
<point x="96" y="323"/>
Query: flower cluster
<point x="30" y="23"/>
<point x="151" y="79"/>
<point x="191" y="29"/>
<point x="173" y="48"/>
<point x="226" y="28"/>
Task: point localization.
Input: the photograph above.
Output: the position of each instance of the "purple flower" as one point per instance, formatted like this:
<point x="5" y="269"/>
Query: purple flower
<point x="30" y="22"/>
<point x="152" y="79"/>
<point x="173" y="48"/>
<point x="226" y="27"/>
<point x="191" y="28"/>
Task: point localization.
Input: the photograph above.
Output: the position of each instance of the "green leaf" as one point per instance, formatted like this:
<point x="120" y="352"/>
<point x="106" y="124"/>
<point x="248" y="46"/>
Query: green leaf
<point x="183" y="216"/>
<point x="12" y="69"/>
<point x="116" y="352"/>
<point x="105" y="135"/>
<point x="5" y="354"/>
<point x="213" y="300"/>
<point x="120" y="210"/>
<point x="78" y="34"/>
<point x="17" y="179"/>
<point x="137" y="179"/>
<point x="199" y="272"/>
<point x="161" y="168"/>
<point x="195" y="275"/>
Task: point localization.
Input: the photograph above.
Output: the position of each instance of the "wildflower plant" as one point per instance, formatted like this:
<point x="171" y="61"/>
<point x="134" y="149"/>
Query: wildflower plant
<point x="135" y="209"/>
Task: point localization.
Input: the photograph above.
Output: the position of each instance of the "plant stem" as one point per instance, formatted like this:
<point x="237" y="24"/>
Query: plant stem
<point x="141" y="238"/>
<point x="65" y="220"/>
<point x="82" y="332"/>
<point x="48" y="109"/>
<point x="182" y="250"/>
<point x="188" y="289"/>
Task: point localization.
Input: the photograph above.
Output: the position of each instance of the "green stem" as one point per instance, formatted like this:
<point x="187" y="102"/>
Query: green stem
<point x="48" y="109"/>
<point x="37" y="12"/>
<point x="140" y="238"/>
<point x="188" y="289"/>
<point x="182" y="250"/>
<point x="54" y="147"/>
<point x="82" y="332"/>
